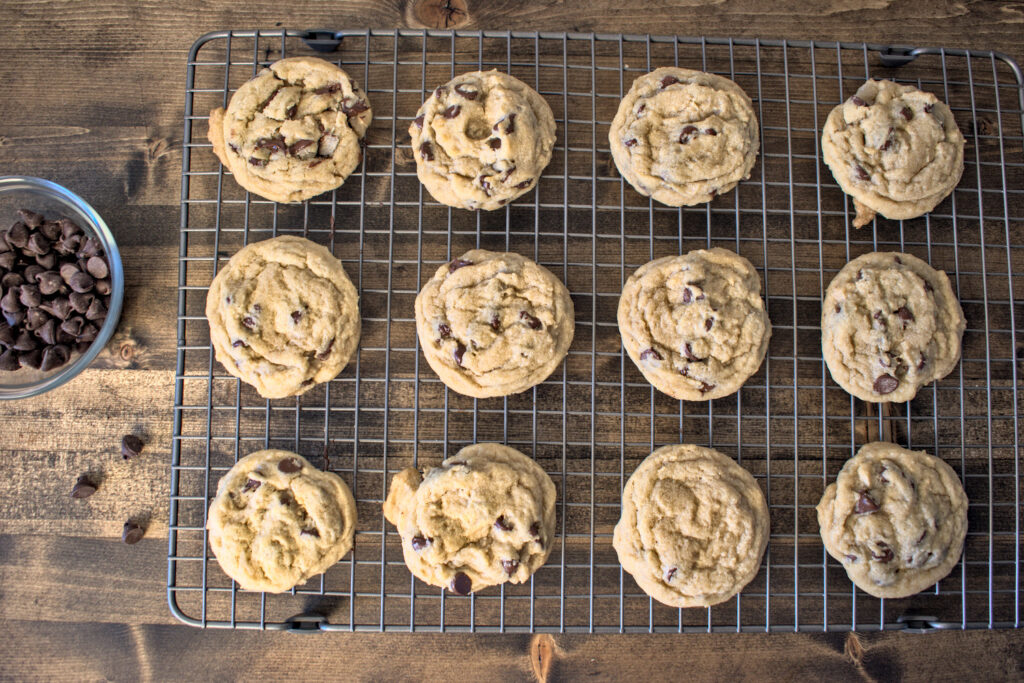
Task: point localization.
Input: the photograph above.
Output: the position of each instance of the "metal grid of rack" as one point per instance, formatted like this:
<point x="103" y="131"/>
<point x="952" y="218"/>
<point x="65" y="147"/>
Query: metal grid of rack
<point x="595" y="418"/>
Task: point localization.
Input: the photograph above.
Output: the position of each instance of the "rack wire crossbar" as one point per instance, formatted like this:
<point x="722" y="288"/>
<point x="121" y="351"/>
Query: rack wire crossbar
<point x="592" y="422"/>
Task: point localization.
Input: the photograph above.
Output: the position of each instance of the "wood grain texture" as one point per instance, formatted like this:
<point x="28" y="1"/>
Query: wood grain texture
<point x="92" y="98"/>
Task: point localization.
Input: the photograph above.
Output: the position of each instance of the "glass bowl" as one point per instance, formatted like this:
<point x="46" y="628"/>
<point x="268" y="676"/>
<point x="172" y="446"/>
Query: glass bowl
<point x="54" y="202"/>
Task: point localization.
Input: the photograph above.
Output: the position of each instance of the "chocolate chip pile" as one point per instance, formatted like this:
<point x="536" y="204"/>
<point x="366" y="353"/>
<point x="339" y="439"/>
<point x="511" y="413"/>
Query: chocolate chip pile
<point x="54" y="292"/>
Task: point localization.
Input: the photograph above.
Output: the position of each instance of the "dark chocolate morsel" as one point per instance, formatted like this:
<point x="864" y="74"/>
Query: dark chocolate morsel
<point x="131" y="446"/>
<point x="462" y="584"/>
<point x="251" y="485"/>
<point x="419" y="543"/>
<point x="289" y="465"/>
<point x="650" y="353"/>
<point x="83" y="488"/>
<point x="510" y="566"/>
<point x="865" y="505"/>
<point x="459" y="352"/>
<point x="886" y="384"/>
<point x="458" y="263"/>
<point x="502" y="524"/>
<point x="668" y="80"/>
<point x="54" y="357"/>
<point x="531" y="321"/>
<point x="132" y="533"/>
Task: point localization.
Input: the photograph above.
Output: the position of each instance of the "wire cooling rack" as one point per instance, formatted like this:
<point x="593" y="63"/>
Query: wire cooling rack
<point x="595" y="418"/>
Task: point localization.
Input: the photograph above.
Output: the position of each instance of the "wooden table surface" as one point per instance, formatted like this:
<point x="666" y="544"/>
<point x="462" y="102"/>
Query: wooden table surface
<point x="92" y="98"/>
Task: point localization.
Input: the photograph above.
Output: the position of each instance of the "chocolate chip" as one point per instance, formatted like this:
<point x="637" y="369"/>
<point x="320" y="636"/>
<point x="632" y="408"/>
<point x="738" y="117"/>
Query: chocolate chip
<point x="418" y="121"/>
<point x="96" y="311"/>
<point x="511" y="127"/>
<point x="7" y="260"/>
<point x="494" y="143"/>
<point x="496" y="324"/>
<point x="275" y="144"/>
<point x="47" y="261"/>
<point x="502" y="524"/>
<point x="68" y="271"/>
<point x="710" y="131"/>
<point x="323" y="355"/>
<point x="14" y="318"/>
<point x="289" y="465"/>
<point x="687" y="134"/>
<point x="35" y="318"/>
<point x="30" y="218"/>
<point x="238" y="343"/>
<point x="630" y="142"/>
<point x="708" y="323"/>
<point x="132" y="533"/>
<point x="444" y="331"/>
<point x="7" y="335"/>
<point x="17" y="236"/>
<point x="259" y="163"/>
<point x="83" y="488"/>
<point x="29" y="296"/>
<point x="103" y="287"/>
<point x="688" y="352"/>
<point x="79" y="302"/>
<point x="670" y="573"/>
<point x="705" y="387"/>
<point x="907" y="113"/>
<point x="532" y="322"/>
<point x="89" y="333"/>
<point x="12" y="280"/>
<point x="928" y="108"/>
<point x="650" y="353"/>
<point x="299" y="145"/>
<point x="668" y="80"/>
<point x="510" y="566"/>
<point x="82" y="282"/>
<point x="885" y="556"/>
<point x="265" y="102"/>
<point x="687" y="295"/>
<point x="251" y="485"/>
<point x="920" y="364"/>
<point x="131" y="446"/>
<point x="889" y="140"/>
<point x="37" y="244"/>
<point x="461" y="584"/>
<point x="90" y="247"/>
<point x="290" y="113"/>
<point x="904" y="313"/>
<point x="286" y="498"/>
<point x="9" y="360"/>
<point x="24" y="342"/>
<point x="640" y="109"/>
<point x="68" y="227"/>
<point x="249" y="322"/>
<point x="685" y="371"/>
<point x="452" y="111"/>
<point x="419" y="543"/>
<point x="440" y="91"/>
<point x="73" y="325"/>
<point x="426" y="151"/>
<point x="54" y="357"/>
<point x="858" y="101"/>
<point x="459" y="352"/>
<point x="327" y="89"/>
<point x="886" y="384"/>
<point x="523" y="185"/>
<point x="10" y="301"/>
<point x="50" y="282"/>
<point x="851" y="558"/>
<point x="469" y="92"/>
<point x="31" y="359"/>
<point x="458" y="263"/>
<point x="535" y="530"/>
<point x="354" y="109"/>
<point x="310" y="532"/>
<point x="865" y="505"/>
<point x="861" y="173"/>
<point x="296" y="316"/>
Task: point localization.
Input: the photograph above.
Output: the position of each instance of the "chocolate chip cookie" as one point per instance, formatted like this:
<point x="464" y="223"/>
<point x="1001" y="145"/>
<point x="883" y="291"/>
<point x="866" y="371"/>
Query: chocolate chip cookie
<point x="293" y="131"/>
<point x="277" y="520"/>
<point x="483" y="517"/>
<point x="283" y="316"/>
<point x="493" y="324"/>
<point x="895" y="518"/>
<point x="890" y="324"/>
<point x="694" y="526"/>
<point x="893" y="148"/>
<point x="683" y="137"/>
<point x="481" y="140"/>
<point x="695" y="324"/>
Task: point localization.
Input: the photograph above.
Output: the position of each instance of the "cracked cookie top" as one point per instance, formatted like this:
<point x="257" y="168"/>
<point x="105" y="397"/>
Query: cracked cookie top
<point x="283" y="316"/>
<point x="694" y="526"/>
<point x="293" y="131"/>
<point x="493" y="324"/>
<point x="483" y="517"/>
<point x="893" y="148"/>
<point x="890" y="324"/>
<point x="695" y="325"/>
<point x="683" y="137"/>
<point x="277" y="520"/>
<point x="481" y="140"/>
<point x="895" y="518"/>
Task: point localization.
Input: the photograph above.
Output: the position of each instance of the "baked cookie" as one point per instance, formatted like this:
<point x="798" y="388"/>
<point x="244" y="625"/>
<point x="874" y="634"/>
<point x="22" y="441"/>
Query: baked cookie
<point x="293" y="131"/>
<point x="895" y="518"/>
<point x="890" y="324"/>
<point x="695" y="324"/>
<point x="283" y="316"/>
<point x="694" y="526"/>
<point x="683" y="137"/>
<point x="493" y="324"/>
<point x="481" y="140"/>
<point x="484" y="517"/>
<point x="893" y="148"/>
<point x="277" y="520"/>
